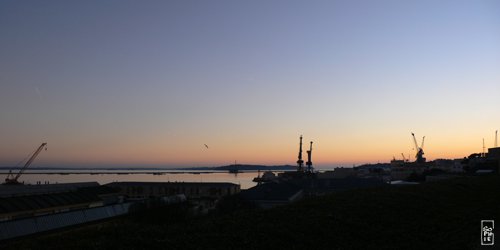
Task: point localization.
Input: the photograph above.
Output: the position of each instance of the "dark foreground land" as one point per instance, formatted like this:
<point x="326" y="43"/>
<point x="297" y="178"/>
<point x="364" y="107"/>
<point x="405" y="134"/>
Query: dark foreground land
<point x="441" y="215"/>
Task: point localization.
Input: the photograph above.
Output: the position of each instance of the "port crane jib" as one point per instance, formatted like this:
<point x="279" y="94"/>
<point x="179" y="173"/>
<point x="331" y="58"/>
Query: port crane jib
<point x="420" y="150"/>
<point x="11" y="179"/>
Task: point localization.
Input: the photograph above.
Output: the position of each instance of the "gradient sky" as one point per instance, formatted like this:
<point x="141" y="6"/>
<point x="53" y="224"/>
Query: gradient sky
<point x="148" y="83"/>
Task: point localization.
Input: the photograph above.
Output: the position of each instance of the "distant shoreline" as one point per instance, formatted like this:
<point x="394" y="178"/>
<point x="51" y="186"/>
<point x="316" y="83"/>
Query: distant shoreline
<point x="148" y="170"/>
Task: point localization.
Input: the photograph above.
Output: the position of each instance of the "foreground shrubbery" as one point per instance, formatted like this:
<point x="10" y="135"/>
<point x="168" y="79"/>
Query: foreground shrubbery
<point x="443" y="215"/>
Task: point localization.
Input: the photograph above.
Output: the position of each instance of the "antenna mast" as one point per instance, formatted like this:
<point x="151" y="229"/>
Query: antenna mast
<point x="484" y="154"/>
<point x="496" y="139"/>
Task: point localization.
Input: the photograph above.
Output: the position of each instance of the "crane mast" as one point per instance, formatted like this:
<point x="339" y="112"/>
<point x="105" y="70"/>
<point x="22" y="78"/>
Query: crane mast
<point x="309" y="161"/>
<point x="13" y="180"/>
<point x="300" y="162"/>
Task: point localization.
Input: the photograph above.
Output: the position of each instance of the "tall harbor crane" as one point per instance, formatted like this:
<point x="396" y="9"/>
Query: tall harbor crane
<point x="11" y="179"/>
<point x="309" y="161"/>
<point x="420" y="150"/>
<point x="300" y="162"/>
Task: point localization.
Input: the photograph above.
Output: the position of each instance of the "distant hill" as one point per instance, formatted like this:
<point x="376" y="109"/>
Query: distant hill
<point x="239" y="167"/>
<point x="243" y="167"/>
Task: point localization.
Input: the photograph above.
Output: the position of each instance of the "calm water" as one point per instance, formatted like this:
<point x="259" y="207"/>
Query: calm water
<point x="243" y="178"/>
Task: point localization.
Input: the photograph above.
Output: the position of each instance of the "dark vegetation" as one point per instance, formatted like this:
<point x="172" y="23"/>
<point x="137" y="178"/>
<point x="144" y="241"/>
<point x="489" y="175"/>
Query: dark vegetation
<point x="440" y="215"/>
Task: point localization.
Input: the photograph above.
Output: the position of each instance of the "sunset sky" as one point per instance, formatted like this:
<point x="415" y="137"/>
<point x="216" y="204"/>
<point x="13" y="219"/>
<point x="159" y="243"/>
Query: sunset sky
<point x="148" y="83"/>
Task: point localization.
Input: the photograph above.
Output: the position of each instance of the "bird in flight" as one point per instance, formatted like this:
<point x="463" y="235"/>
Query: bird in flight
<point x="206" y="145"/>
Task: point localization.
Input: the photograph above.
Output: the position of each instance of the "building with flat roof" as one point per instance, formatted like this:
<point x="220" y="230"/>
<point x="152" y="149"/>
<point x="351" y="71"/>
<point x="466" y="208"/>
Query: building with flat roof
<point x="192" y="190"/>
<point x="203" y="194"/>
<point x="337" y="173"/>
<point x="494" y="153"/>
<point x="272" y="194"/>
<point x="29" y="204"/>
<point x="21" y="190"/>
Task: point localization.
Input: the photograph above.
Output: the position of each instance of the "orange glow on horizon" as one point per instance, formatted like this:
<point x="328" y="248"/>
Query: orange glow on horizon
<point x="330" y="148"/>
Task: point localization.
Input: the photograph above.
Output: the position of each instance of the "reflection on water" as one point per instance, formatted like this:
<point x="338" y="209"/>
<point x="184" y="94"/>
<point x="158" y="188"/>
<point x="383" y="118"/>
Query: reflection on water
<point x="244" y="178"/>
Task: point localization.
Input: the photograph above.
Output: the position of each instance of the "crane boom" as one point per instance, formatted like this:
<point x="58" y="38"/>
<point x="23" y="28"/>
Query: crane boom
<point x="28" y="163"/>
<point x="415" y="141"/>
<point x="420" y="151"/>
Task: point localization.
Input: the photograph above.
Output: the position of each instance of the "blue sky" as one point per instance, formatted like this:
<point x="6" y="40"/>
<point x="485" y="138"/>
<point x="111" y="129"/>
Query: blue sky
<point x="147" y="83"/>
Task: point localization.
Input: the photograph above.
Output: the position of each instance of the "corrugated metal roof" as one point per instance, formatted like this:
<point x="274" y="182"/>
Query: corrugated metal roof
<point x="21" y="190"/>
<point x="27" y="226"/>
<point x="44" y="201"/>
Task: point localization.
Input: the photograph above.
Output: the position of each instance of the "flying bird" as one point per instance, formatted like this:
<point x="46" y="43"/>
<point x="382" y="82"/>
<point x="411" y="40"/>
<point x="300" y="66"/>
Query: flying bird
<point x="206" y="145"/>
